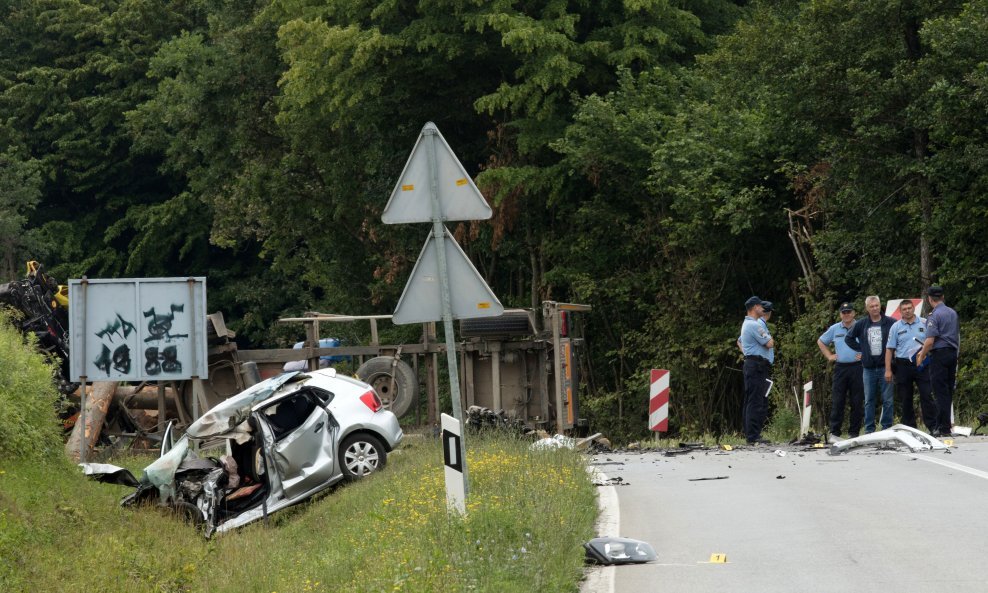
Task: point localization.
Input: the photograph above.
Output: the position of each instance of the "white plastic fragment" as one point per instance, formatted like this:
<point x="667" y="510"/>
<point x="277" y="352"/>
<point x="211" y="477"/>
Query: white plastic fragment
<point x="900" y="434"/>
<point x="558" y="441"/>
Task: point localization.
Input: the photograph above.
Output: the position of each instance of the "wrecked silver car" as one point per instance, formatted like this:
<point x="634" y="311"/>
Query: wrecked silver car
<point x="285" y="439"/>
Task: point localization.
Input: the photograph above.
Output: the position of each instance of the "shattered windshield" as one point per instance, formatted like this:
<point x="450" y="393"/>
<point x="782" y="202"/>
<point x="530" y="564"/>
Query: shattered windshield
<point x="232" y="412"/>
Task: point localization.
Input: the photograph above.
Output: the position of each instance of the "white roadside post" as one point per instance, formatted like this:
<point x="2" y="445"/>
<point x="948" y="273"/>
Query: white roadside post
<point x="434" y="187"/>
<point x="805" y="424"/>
<point x="456" y="494"/>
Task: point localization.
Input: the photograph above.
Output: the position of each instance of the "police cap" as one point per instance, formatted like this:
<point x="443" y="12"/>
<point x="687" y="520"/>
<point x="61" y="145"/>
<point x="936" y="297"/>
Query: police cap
<point x="767" y="306"/>
<point x="935" y="291"/>
<point x="845" y="307"/>
<point x="748" y="304"/>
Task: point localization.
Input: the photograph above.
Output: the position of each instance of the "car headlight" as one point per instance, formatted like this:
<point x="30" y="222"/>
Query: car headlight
<point x="618" y="550"/>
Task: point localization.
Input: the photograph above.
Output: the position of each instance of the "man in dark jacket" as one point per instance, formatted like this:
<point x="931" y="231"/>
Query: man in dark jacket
<point x="943" y="339"/>
<point x="868" y="337"/>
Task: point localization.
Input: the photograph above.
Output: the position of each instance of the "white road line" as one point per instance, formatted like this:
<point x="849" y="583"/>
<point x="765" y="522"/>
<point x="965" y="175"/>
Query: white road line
<point x="950" y="464"/>
<point x="601" y="579"/>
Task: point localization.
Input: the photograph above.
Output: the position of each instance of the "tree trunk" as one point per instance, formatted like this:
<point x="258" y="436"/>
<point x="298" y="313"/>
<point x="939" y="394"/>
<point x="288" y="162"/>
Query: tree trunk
<point x="914" y="51"/>
<point x="96" y="407"/>
<point x="925" y="265"/>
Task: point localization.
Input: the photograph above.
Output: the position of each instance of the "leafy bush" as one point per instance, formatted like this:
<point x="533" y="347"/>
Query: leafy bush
<point x="27" y="398"/>
<point x="783" y="426"/>
<point x="971" y="397"/>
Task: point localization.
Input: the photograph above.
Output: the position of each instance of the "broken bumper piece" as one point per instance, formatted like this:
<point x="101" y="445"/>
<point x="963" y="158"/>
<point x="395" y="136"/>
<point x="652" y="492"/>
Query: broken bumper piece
<point x="900" y="434"/>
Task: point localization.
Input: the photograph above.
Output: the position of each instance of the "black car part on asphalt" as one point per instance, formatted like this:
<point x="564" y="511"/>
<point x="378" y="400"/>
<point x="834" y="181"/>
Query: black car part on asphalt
<point x="618" y="550"/>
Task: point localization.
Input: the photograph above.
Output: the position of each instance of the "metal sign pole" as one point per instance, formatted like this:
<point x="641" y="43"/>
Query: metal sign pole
<point x="82" y="394"/>
<point x="439" y="234"/>
<point x="196" y="382"/>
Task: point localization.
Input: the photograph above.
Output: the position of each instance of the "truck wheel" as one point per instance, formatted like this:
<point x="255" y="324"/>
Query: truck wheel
<point x="397" y="395"/>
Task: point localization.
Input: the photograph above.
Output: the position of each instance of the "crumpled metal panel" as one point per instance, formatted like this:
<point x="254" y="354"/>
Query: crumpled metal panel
<point x="915" y="439"/>
<point x="227" y="415"/>
<point x="109" y="474"/>
<point x="305" y="457"/>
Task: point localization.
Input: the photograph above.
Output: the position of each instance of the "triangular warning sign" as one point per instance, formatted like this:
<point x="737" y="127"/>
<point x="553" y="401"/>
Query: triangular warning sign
<point x="469" y="295"/>
<point x="411" y="199"/>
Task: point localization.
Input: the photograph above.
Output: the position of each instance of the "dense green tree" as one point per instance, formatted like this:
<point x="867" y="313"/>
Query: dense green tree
<point x="954" y="110"/>
<point x="660" y="160"/>
<point x="865" y="102"/>
<point x="20" y="191"/>
<point x="674" y="238"/>
<point x="499" y="78"/>
<point x="70" y="71"/>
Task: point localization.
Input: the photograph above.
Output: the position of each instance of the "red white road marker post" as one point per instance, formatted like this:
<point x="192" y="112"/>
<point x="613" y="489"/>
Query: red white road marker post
<point x="658" y="402"/>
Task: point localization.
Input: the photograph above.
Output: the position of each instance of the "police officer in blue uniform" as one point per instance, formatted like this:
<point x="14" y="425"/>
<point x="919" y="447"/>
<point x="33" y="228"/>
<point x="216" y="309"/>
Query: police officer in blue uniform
<point x="757" y="345"/>
<point x="848" y="384"/>
<point x="906" y="339"/>
<point x="943" y="340"/>
<point x="767" y="309"/>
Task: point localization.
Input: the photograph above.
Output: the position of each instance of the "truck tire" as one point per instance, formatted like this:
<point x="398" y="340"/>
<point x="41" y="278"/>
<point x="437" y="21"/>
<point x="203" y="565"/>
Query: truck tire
<point x="398" y="395"/>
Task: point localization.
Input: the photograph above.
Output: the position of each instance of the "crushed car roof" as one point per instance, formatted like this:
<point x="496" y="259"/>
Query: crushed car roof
<point x="229" y="414"/>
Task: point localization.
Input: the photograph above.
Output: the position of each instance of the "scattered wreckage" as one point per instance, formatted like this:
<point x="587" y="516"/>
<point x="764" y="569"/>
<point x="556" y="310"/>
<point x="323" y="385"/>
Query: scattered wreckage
<point x="285" y="439"/>
<point x="900" y="434"/>
<point x="41" y="307"/>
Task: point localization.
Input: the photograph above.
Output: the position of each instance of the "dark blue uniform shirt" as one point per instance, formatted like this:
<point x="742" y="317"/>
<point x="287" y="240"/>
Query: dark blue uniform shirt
<point x="942" y="325"/>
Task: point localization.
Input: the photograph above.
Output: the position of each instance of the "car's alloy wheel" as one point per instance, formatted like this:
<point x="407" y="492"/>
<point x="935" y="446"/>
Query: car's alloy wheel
<point x="362" y="455"/>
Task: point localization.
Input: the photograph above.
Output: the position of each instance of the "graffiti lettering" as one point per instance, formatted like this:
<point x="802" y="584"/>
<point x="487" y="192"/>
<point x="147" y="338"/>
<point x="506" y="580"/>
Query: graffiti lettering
<point x="165" y="360"/>
<point x="114" y="331"/>
<point x="160" y="324"/>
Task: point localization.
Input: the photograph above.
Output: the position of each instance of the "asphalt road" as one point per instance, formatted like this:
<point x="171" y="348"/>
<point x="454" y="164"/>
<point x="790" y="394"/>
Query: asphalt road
<point x="866" y="520"/>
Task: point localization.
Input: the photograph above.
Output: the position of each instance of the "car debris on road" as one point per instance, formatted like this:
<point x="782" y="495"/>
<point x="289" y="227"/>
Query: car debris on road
<point x="900" y="434"/>
<point x="615" y="481"/>
<point x="618" y="550"/>
<point x="559" y="441"/>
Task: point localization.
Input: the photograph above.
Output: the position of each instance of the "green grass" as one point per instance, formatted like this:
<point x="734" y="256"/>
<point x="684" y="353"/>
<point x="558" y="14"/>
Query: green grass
<point x="528" y="514"/>
<point x="783" y="426"/>
<point x="27" y="398"/>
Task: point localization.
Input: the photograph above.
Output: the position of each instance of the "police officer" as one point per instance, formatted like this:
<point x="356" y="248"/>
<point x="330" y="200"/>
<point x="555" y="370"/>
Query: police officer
<point x="943" y="340"/>
<point x="756" y="344"/>
<point x="767" y="309"/>
<point x="869" y="336"/>
<point x="906" y="338"/>
<point x="848" y="384"/>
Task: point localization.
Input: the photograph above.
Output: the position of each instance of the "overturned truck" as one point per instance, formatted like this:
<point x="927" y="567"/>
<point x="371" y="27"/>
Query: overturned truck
<point x="528" y="363"/>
